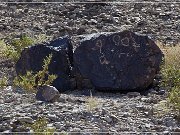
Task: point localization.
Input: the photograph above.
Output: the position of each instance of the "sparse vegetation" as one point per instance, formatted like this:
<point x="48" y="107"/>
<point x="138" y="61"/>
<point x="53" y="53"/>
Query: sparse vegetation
<point x="39" y="127"/>
<point x="7" y="51"/>
<point x="41" y="75"/>
<point x="174" y="98"/>
<point x="31" y="80"/>
<point x="171" y="75"/>
<point x="171" y="67"/>
<point x="161" y="108"/>
<point x="3" y="82"/>
<point x="14" y="48"/>
<point x="27" y="81"/>
<point x="20" y="44"/>
<point x="91" y="103"/>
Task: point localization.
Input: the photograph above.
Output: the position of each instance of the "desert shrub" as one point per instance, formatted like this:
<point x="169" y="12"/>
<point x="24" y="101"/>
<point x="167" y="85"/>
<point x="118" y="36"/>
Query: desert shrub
<point x="171" y="67"/>
<point x="3" y="82"/>
<point x="41" y="38"/>
<point x="162" y="108"/>
<point x="171" y="75"/>
<point x="31" y="80"/>
<point x="92" y="103"/>
<point x="41" y="75"/>
<point x="20" y="44"/>
<point x="174" y="98"/>
<point x="27" y="81"/>
<point x="15" y="47"/>
<point x="7" y="51"/>
<point x="39" y="127"/>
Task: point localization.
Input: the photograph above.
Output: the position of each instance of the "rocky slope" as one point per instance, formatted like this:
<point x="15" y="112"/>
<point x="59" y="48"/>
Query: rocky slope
<point x="157" y="19"/>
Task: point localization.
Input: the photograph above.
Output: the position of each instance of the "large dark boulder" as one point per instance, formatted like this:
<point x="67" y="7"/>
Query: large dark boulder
<point x="32" y="57"/>
<point x="117" y="61"/>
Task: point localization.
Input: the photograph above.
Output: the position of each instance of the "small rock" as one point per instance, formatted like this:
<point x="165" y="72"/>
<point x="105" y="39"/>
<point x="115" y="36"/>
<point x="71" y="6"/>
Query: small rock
<point x="26" y="119"/>
<point x="169" y="122"/>
<point x="161" y="92"/>
<point x="133" y="94"/>
<point x="52" y="117"/>
<point x="47" y="93"/>
<point x="70" y="100"/>
<point x="108" y="119"/>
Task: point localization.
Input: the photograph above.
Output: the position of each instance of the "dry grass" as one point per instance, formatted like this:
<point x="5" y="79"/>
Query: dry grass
<point x="170" y="71"/>
<point x="91" y="103"/>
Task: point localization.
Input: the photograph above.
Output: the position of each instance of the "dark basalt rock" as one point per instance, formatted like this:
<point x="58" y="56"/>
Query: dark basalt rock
<point x="118" y="61"/>
<point x="32" y="60"/>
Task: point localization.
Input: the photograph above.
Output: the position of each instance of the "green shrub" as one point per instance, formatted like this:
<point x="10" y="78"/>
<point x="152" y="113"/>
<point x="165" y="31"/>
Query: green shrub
<point x="171" y="67"/>
<point x="174" y="98"/>
<point x="41" y="38"/>
<point x="3" y="82"/>
<point x="14" y="49"/>
<point x="39" y="127"/>
<point x="20" y="44"/>
<point x="31" y="80"/>
<point x="8" y="51"/>
<point x="27" y="81"/>
<point x="41" y="75"/>
<point x="171" y="75"/>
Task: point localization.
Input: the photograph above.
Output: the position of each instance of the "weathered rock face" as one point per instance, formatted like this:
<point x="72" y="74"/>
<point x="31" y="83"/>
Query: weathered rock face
<point x="32" y="60"/>
<point x="119" y="61"/>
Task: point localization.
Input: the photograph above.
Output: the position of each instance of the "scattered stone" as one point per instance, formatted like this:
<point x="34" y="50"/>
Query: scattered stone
<point x="133" y="94"/>
<point x="47" y="93"/>
<point x="26" y="120"/>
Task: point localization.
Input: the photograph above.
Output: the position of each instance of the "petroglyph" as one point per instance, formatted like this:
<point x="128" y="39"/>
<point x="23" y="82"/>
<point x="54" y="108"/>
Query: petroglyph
<point x="103" y="60"/>
<point x="118" y="61"/>
<point x="99" y="43"/>
<point x="98" y="46"/>
<point x="116" y="39"/>
<point x="125" y="41"/>
<point x="134" y="44"/>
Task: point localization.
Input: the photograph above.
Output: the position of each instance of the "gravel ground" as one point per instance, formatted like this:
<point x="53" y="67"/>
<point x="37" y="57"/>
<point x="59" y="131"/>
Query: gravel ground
<point x="159" y="20"/>
<point x="114" y="112"/>
<point x="74" y="112"/>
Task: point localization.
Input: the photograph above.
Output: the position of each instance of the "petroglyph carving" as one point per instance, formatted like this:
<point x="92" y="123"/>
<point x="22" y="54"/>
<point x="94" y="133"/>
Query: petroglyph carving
<point x="103" y="60"/>
<point x="98" y="45"/>
<point x="125" y="41"/>
<point x="121" y="54"/>
<point x="134" y="44"/>
<point x="124" y="54"/>
<point x="116" y="39"/>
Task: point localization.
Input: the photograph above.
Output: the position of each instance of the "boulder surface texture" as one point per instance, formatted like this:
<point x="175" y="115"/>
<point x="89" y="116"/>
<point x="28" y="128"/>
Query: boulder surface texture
<point x="117" y="61"/>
